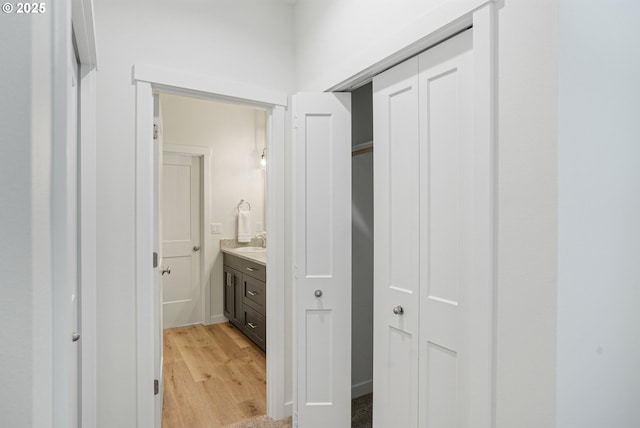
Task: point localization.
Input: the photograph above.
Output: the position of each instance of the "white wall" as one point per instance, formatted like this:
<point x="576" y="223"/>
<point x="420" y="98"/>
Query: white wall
<point x="247" y="41"/>
<point x="16" y="252"/>
<point x="527" y="214"/>
<point x="599" y="215"/>
<point x="236" y="135"/>
<point x="332" y="35"/>
<point x="25" y="221"/>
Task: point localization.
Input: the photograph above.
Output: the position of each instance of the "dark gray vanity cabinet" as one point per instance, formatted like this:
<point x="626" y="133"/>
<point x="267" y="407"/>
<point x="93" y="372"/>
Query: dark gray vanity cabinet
<point x="245" y="297"/>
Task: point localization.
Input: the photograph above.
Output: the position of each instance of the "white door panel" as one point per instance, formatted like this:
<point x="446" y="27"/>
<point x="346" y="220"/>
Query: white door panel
<point x="396" y="250"/>
<point x="323" y="292"/>
<point x="158" y="342"/>
<point x="73" y="227"/>
<point x="446" y="216"/>
<point x="181" y="234"/>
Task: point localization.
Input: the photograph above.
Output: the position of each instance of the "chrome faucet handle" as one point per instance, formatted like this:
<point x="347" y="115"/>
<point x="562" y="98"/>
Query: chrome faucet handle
<point x="263" y="237"/>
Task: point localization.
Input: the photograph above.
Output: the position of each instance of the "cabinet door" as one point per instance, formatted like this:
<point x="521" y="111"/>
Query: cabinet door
<point x="232" y="302"/>
<point x="238" y="292"/>
<point x="228" y="293"/>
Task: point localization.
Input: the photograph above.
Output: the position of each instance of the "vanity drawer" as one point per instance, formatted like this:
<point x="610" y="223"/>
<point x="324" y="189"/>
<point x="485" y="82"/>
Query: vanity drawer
<point x="233" y="261"/>
<point x="255" y="270"/>
<point x="254" y="293"/>
<point x="255" y="326"/>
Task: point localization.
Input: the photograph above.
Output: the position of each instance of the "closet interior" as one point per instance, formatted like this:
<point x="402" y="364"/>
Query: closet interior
<point x="362" y="241"/>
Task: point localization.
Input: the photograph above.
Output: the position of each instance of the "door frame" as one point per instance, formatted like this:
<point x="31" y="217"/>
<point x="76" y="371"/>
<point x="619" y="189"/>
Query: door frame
<point x="147" y="79"/>
<point x="204" y="157"/>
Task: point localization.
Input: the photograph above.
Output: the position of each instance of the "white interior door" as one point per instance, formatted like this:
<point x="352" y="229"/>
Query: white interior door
<point x="397" y="246"/>
<point x="158" y="341"/>
<point x="426" y="370"/>
<point x="447" y="206"/>
<point x="73" y="239"/>
<point x="446" y="157"/>
<point x="181" y="296"/>
<point x="65" y="244"/>
<point x="322" y="129"/>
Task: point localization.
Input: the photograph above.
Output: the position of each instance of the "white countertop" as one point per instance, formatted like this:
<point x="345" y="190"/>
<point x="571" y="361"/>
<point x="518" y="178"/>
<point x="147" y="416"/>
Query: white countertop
<point x="258" y="257"/>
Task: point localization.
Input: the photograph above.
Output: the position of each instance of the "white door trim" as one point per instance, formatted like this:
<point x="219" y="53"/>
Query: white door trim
<point x="204" y="154"/>
<point x="185" y="83"/>
<point x="147" y="79"/>
<point x="84" y="28"/>
<point x="485" y="97"/>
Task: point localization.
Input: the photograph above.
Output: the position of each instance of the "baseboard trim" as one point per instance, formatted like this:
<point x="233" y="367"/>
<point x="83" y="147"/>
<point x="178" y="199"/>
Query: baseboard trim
<point x="217" y="319"/>
<point x="362" y="388"/>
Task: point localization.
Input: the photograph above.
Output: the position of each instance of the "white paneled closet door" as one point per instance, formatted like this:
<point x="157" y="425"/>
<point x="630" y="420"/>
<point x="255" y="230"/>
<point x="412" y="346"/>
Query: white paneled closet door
<point x="446" y="220"/>
<point x="397" y="246"/>
<point x="322" y="136"/>
<point x="427" y="372"/>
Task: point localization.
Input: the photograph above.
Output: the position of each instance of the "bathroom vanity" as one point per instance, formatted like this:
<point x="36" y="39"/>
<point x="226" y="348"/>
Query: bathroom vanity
<point x="245" y="286"/>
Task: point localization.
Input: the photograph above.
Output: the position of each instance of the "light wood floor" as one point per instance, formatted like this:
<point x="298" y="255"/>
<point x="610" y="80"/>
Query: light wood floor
<point x="213" y="376"/>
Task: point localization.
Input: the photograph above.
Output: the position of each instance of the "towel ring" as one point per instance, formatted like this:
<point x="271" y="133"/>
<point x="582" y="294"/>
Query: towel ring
<point x="243" y="203"/>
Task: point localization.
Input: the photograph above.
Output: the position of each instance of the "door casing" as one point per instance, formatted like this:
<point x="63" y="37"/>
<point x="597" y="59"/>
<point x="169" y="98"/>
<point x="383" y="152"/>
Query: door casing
<point x="149" y="79"/>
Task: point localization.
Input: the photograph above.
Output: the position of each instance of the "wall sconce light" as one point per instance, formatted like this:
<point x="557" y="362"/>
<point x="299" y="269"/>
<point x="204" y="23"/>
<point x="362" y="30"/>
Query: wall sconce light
<point x="263" y="158"/>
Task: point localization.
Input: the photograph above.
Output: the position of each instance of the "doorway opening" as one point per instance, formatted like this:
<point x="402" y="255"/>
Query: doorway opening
<point x="212" y="155"/>
<point x="362" y="255"/>
<point x="149" y="80"/>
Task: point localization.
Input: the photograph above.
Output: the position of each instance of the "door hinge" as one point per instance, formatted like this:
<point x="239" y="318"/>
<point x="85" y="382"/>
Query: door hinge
<point x="155" y="260"/>
<point x="156" y="387"/>
<point x="155" y="131"/>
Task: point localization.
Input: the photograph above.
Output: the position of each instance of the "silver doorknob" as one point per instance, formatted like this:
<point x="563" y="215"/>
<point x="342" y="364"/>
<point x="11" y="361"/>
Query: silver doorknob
<point x="75" y="337"/>
<point x="196" y="247"/>
<point x="398" y="310"/>
<point x="317" y="293"/>
<point x="166" y="270"/>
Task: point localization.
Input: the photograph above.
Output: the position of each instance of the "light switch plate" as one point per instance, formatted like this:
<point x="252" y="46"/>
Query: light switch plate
<point x="215" y="228"/>
<point x="259" y="227"/>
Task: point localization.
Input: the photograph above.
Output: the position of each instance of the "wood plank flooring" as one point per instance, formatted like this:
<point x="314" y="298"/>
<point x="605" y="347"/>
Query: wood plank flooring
<point x="213" y="376"/>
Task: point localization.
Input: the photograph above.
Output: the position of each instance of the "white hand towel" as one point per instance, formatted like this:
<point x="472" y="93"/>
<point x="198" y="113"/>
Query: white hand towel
<point x="244" y="226"/>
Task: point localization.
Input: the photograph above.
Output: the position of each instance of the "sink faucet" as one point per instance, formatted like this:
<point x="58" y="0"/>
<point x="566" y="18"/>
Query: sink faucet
<point x="263" y="237"/>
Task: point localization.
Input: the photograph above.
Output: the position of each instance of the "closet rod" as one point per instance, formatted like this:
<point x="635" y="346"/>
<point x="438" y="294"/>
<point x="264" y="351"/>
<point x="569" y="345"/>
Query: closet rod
<point x="362" y="148"/>
<point x="362" y="151"/>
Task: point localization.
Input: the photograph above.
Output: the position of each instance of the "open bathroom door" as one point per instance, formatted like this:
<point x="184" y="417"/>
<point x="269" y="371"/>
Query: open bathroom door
<point x="157" y="248"/>
<point x="322" y="144"/>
